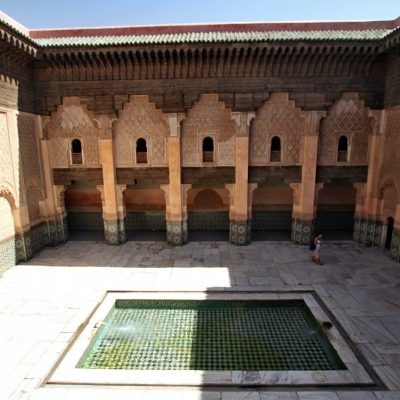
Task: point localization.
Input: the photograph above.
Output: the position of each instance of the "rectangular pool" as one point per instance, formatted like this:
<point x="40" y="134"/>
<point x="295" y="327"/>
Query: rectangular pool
<point x="214" y="335"/>
<point x="202" y="339"/>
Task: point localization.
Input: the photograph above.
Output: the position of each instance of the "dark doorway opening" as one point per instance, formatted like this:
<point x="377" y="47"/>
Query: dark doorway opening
<point x="389" y="233"/>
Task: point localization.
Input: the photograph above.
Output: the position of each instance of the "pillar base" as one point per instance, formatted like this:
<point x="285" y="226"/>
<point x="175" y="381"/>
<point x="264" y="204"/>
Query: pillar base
<point x="58" y="231"/>
<point x="23" y="247"/>
<point x="114" y="232"/>
<point x="395" y="245"/>
<point x="368" y="231"/>
<point x="239" y="232"/>
<point x="302" y="231"/>
<point x="177" y="233"/>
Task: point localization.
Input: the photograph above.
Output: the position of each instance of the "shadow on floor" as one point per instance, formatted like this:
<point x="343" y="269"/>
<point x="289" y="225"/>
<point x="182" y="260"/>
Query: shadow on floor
<point x="208" y="236"/>
<point x="270" y="236"/>
<point x="86" y="236"/>
<point x="146" y="236"/>
<point x="337" y="235"/>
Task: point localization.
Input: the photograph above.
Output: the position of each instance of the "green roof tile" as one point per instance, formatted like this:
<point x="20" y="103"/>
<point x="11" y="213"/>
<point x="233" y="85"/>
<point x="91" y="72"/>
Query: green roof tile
<point x="215" y="37"/>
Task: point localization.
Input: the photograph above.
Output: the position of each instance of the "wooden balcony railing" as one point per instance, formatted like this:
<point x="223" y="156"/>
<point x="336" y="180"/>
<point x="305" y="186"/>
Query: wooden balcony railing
<point x="208" y="156"/>
<point x="342" y="156"/>
<point x="77" y="158"/>
<point x="141" y="157"/>
<point x="275" y="156"/>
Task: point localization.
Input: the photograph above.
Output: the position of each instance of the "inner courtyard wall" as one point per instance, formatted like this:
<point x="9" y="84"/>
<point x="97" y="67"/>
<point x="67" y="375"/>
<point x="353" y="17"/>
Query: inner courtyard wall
<point x="240" y="98"/>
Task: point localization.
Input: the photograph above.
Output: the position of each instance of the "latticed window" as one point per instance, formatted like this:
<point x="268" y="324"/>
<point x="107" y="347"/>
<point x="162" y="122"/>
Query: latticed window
<point x="141" y="151"/>
<point x="275" y="149"/>
<point x="208" y="149"/>
<point x="342" y="149"/>
<point x="76" y="152"/>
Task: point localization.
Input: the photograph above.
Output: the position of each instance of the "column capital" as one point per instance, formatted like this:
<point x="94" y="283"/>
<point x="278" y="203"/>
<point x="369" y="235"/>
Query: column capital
<point x="174" y="121"/>
<point x="313" y="122"/>
<point x="243" y="121"/>
<point x="378" y="121"/>
<point x="104" y="123"/>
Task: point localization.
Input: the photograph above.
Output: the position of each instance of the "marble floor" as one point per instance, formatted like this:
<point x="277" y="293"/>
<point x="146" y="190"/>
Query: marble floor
<point x="45" y="301"/>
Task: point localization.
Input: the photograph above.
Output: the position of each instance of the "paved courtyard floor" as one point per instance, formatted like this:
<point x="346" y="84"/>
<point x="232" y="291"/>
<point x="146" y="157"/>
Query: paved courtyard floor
<point x="44" y="301"/>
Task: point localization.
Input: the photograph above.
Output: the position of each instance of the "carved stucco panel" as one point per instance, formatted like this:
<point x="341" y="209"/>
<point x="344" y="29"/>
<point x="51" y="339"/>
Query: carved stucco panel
<point x="277" y="117"/>
<point x="29" y="151"/>
<point x="348" y="117"/>
<point x="70" y="121"/>
<point x="141" y="119"/>
<point x="208" y="115"/>
<point x="6" y="164"/>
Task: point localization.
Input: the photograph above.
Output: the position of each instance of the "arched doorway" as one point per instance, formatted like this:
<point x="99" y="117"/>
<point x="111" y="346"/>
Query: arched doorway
<point x="271" y="212"/>
<point x="145" y="213"/>
<point x="389" y="233"/>
<point x="208" y="214"/>
<point x="335" y="211"/>
<point x="84" y="211"/>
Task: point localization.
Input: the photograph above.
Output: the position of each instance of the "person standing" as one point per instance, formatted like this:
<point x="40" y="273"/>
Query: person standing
<point x="317" y="243"/>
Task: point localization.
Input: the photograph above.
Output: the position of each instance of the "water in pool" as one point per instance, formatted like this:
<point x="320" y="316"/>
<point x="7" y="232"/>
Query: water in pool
<point x="210" y="335"/>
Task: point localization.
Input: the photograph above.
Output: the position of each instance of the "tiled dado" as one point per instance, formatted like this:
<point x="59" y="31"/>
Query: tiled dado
<point x="302" y="231"/>
<point x="240" y="232"/>
<point x="114" y="232"/>
<point x="7" y="254"/>
<point x="271" y="220"/>
<point x="145" y="221"/>
<point x="177" y="232"/>
<point x="22" y="247"/>
<point x="367" y="231"/>
<point x="395" y="245"/>
<point x="85" y="221"/>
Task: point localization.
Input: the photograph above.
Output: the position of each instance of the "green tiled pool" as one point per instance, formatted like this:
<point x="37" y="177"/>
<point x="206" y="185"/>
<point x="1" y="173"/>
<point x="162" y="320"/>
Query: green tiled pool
<point x="214" y="335"/>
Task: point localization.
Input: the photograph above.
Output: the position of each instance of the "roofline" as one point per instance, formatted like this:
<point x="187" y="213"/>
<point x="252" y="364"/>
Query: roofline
<point x="14" y="24"/>
<point x="214" y="27"/>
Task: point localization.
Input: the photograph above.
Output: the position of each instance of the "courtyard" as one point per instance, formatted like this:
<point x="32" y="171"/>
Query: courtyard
<point x="45" y="301"/>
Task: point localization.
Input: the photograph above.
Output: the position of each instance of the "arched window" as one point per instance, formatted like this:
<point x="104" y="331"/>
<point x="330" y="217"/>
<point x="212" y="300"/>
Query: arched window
<point x="76" y="151"/>
<point x="342" y="149"/>
<point x="208" y="149"/>
<point x="275" y="149"/>
<point x="141" y="151"/>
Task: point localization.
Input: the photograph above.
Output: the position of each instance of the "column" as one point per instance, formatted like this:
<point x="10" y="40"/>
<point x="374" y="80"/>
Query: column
<point x="369" y="219"/>
<point x="56" y="215"/>
<point x="60" y="213"/>
<point x="114" y="227"/>
<point x="304" y="203"/>
<point x="177" y="231"/>
<point x="23" y="244"/>
<point x="239" y="217"/>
